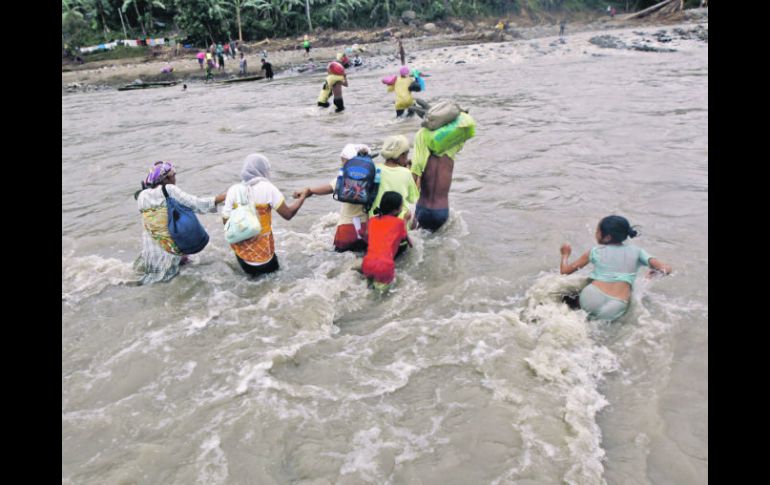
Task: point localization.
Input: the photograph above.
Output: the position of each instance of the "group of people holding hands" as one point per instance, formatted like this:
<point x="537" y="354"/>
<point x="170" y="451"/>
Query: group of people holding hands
<point x="377" y="226"/>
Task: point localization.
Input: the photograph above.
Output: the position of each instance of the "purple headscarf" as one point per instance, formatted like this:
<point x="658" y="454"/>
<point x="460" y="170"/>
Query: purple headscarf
<point x="158" y="172"/>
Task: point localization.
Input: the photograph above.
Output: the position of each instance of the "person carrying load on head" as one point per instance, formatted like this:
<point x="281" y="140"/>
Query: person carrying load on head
<point x="256" y="252"/>
<point x="343" y="59"/>
<point x="335" y="79"/>
<point x="435" y="146"/>
<point x="351" y="232"/>
<point x="160" y="258"/>
<point x="404" y="99"/>
<point x="387" y="231"/>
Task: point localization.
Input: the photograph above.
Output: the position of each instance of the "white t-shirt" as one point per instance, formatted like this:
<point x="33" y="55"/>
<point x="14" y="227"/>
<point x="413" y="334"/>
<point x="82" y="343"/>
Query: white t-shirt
<point x="266" y="197"/>
<point x="261" y="193"/>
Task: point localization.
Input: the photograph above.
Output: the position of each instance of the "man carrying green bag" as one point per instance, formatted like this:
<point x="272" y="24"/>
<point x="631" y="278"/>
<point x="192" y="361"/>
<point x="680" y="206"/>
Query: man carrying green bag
<point x="445" y="130"/>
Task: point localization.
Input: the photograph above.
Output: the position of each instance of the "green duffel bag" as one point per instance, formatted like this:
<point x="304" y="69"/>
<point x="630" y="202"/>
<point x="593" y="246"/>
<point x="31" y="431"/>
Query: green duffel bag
<point x="458" y="131"/>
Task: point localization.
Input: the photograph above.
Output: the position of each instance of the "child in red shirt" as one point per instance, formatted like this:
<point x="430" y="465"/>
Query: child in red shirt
<point x="386" y="231"/>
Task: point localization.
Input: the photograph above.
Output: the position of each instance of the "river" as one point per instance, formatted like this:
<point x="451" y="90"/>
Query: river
<point x="469" y="371"/>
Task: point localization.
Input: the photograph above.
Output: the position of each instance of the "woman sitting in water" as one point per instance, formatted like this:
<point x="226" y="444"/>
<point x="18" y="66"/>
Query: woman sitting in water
<point x="160" y="258"/>
<point x="257" y="254"/>
<point x="615" y="266"/>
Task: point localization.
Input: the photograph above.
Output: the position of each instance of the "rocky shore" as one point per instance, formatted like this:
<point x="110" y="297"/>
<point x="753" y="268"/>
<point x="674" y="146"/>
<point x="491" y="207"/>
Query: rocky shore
<point x="428" y="44"/>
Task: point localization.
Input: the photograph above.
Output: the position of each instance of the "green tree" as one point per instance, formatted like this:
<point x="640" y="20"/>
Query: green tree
<point x="239" y="5"/>
<point x="126" y="3"/>
<point x="74" y="28"/>
<point x="204" y="21"/>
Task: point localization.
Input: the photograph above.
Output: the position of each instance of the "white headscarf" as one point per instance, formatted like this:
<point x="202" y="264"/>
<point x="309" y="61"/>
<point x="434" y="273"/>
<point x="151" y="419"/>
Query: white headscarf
<point x="351" y="150"/>
<point x="256" y="168"/>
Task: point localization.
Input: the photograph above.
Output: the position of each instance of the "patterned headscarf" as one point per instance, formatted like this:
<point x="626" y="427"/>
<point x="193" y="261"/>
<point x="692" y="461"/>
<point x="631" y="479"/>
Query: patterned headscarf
<point x="256" y="168"/>
<point x="158" y="172"/>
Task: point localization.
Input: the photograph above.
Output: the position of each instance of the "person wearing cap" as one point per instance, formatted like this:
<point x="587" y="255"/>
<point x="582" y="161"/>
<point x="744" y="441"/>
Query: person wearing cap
<point x="160" y="257"/>
<point x="404" y="98"/>
<point x="396" y="177"/>
<point x="257" y="255"/>
<point x="351" y="233"/>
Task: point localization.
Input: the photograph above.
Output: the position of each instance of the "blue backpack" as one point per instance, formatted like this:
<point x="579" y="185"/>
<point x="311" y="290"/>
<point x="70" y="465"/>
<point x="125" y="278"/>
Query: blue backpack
<point x="184" y="227"/>
<point x="357" y="182"/>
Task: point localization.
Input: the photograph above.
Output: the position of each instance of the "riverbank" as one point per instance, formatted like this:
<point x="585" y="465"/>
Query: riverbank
<point x="379" y="48"/>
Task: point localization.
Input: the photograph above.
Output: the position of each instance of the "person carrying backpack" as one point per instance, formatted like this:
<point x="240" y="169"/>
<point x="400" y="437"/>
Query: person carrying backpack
<point x="160" y="257"/>
<point x="256" y="255"/>
<point x="351" y="231"/>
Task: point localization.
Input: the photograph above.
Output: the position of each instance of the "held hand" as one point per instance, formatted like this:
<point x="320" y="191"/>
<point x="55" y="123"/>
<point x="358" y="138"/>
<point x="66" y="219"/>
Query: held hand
<point x="566" y="249"/>
<point x="304" y="193"/>
<point x="653" y="273"/>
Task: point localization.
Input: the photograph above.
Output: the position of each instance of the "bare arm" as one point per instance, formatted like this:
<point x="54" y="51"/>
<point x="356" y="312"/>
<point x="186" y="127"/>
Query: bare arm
<point x="288" y="211"/>
<point x="310" y="191"/>
<point x="345" y="81"/>
<point x="220" y="198"/>
<point x="565" y="267"/>
<point x="660" y="266"/>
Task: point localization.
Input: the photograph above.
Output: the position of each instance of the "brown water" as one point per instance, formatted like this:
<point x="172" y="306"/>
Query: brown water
<point x="469" y="371"/>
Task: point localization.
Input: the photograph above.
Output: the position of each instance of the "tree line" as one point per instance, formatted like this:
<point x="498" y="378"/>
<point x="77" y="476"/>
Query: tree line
<point x="202" y="21"/>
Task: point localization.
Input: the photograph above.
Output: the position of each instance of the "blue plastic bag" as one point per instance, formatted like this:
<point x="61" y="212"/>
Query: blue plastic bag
<point x="184" y="227"/>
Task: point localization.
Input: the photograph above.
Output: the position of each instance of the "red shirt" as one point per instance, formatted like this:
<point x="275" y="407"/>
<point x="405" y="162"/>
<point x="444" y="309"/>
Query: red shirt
<point x="385" y="235"/>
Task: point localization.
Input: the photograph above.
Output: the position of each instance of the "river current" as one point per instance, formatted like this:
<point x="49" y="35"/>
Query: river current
<point x="470" y="371"/>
